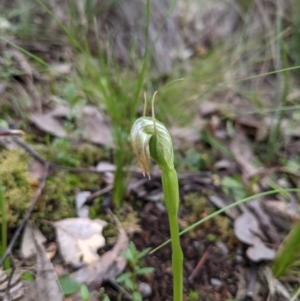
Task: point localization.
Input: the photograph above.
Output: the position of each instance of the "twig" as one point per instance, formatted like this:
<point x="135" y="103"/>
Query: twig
<point x="99" y="193"/>
<point x="199" y="265"/>
<point x="10" y="276"/>
<point x="252" y="281"/>
<point x="119" y="288"/>
<point x="11" y="133"/>
<point x="27" y="215"/>
<point x="39" y="158"/>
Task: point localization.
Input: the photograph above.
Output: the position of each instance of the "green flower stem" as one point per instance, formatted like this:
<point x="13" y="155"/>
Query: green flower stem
<point x="171" y="195"/>
<point x="150" y="138"/>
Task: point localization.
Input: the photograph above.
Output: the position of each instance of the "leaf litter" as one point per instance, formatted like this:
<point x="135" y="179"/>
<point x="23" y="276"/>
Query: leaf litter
<point x="90" y="123"/>
<point x="79" y="239"/>
<point x="110" y="265"/>
<point x="257" y="219"/>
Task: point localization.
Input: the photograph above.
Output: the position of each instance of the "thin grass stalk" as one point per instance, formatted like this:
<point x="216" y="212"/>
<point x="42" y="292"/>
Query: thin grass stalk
<point x="224" y="209"/>
<point x="6" y="264"/>
<point x="275" y="132"/>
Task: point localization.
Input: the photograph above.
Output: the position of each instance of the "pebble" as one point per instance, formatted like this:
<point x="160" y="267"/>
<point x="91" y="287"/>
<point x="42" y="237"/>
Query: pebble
<point x="160" y="206"/>
<point x="145" y="289"/>
<point x="217" y="283"/>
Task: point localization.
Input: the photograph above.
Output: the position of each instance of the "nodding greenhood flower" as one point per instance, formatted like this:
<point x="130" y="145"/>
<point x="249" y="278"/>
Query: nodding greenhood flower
<point x="152" y="139"/>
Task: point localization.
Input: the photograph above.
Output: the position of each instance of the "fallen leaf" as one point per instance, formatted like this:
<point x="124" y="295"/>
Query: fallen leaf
<point x="233" y="213"/>
<point x="81" y="208"/>
<point x="246" y="227"/>
<point x="94" y="126"/>
<point x="49" y="124"/>
<point x="36" y="169"/>
<point x="47" y="285"/>
<point x="16" y="289"/>
<point x="108" y="170"/>
<point x="30" y="235"/>
<point x="79" y="239"/>
<point x="265" y="222"/>
<point x="260" y="128"/>
<point x="283" y="208"/>
<point x="244" y="156"/>
<point x="247" y="230"/>
<point x="108" y="266"/>
<point x="90" y="124"/>
<point x="60" y="69"/>
<point x="259" y="251"/>
<point x="208" y="108"/>
<point x="180" y="135"/>
<point x="51" y="250"/>
<point x="105" y="167"/>
<point x="3" y="86"/>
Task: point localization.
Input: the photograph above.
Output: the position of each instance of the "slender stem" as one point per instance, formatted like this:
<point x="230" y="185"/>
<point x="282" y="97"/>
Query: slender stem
<point x="6" y="264"/>
<point x="171" y="195"/>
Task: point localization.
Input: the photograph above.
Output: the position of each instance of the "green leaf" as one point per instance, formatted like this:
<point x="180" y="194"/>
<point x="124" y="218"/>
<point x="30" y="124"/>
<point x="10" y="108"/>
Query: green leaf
<point x="132" y="247"/>
<point x="84" y="293"/>
<point x="143" y="253"/>
<point x="123" y="277"/>
<point x="27" y="276"/>
<point x="129" y="255"/>
<point x="129" y="284"/>
<point x="146" y="270"/>
<point x="68" y="285"/>
<point x="137" y="296"/>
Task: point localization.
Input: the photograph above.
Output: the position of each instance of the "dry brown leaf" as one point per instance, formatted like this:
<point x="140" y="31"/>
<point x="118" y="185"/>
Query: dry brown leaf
<point x="244" y="156"/>
<point x="108" y="266"/>
<point x="283" y="208"/>
<point x="260" y="127"/>
<point x="259" y="251"/>
<point x="208" y="108"/>
<point x="247" y="230"/>
<point x="79" y="239"/>
<point x="188" y="135"/>
<point x="16" y="289"/>
<point x="23" y="65"/>
<point x="94" y="126"/>
<point x="60" y="69"/>
<point x="47" y="286"/>
<point x="233" y="213"/>
<point x="90" y="124"/>
<point x="51" y="250"/>
<point x="31" y="236"/>
<point x="36" y="169"/>
<point x="265" y="222"/>
<point x="3" y="87"/>
<point x="49" y="124"/>
<point x="82" y="209"/>
<point x="108" y="170"/>
<point x="106" y="167"/>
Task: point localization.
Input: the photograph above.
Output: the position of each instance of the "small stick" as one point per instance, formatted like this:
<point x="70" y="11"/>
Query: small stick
<point x="10" y="276"/>
<point x="11" y="133"/>
<point x="99" y="193"/>
<point x="199" y="265"/>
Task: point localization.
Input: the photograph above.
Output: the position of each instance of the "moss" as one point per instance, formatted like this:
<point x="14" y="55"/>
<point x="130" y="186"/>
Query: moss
<point x="15" y="179"/>
<point x="58" y="198"/>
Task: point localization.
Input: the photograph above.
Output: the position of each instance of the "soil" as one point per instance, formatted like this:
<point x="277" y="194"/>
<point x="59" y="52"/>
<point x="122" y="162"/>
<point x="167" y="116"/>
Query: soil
<point x="215" y="280"/>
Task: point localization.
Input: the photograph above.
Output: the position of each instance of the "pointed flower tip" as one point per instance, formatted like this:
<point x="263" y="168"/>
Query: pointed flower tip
<point x="145" y="146"/>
